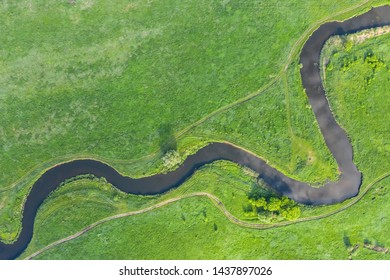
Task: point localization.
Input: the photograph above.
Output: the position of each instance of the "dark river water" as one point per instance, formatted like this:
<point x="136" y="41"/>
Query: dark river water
<point x="335" y="138"/>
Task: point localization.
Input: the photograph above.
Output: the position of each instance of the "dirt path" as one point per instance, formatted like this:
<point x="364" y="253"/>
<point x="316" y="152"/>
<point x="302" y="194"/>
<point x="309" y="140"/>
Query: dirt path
<point x="218" y="203"/>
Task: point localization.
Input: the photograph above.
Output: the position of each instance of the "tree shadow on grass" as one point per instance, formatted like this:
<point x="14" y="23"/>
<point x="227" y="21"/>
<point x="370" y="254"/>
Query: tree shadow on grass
<point x="167" y="139"/>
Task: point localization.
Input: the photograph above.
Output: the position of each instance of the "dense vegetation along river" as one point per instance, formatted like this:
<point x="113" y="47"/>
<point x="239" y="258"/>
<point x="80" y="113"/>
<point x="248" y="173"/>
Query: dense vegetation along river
<point x="335" y="138"/>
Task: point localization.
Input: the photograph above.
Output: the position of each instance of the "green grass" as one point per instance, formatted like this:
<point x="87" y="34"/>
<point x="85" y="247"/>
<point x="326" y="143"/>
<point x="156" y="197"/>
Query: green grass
<point x="84" y="202"/>
<point x="206" y="234"/>
<point x="286" y="135"/>
<point x="96" y="199"/>
<point x="188" y="225"/>
<point x="109" y="80"/>
<point x="358" y="95"/>
<point x="115" y="81"/>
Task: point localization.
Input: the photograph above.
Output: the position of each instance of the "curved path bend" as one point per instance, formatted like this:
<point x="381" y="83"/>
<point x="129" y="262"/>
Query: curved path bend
<point x="335" y="138"/>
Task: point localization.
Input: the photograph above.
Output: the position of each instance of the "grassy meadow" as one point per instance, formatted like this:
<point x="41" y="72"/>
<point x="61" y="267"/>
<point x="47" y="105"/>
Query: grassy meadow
<point x="182" y="230"/>
<point x="357" y="80"/>
<point x="124" y="81"/>
<point x="97" y="199"/>
<point x="356" y="76"/>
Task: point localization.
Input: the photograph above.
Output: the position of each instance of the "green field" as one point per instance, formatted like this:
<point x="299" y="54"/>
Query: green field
<point x="359" y="232"/>
<point x="124" y="82"/>
<point x="127" y="81"/>
<point x="184" y="230"/>
<point x="357" y="82"/>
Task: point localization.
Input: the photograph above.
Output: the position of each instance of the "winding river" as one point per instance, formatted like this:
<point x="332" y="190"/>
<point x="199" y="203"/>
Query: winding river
<point x="335" y="138"/>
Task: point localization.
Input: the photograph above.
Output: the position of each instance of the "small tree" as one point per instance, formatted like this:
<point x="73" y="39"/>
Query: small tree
<point x="171" y="159"/>
<point x="285" y="201"/>
<point x="291" y="213"/>
<point x="348" y="46"/>
<point x="261" y="203"/>
<point x="274" y="204"/>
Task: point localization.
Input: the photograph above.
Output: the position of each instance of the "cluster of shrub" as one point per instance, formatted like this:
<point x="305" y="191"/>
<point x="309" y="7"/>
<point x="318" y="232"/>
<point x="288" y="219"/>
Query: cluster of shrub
<point x="369" y="61"/>
<point x="171" y="159"/>
<point x="273" y="207"/>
